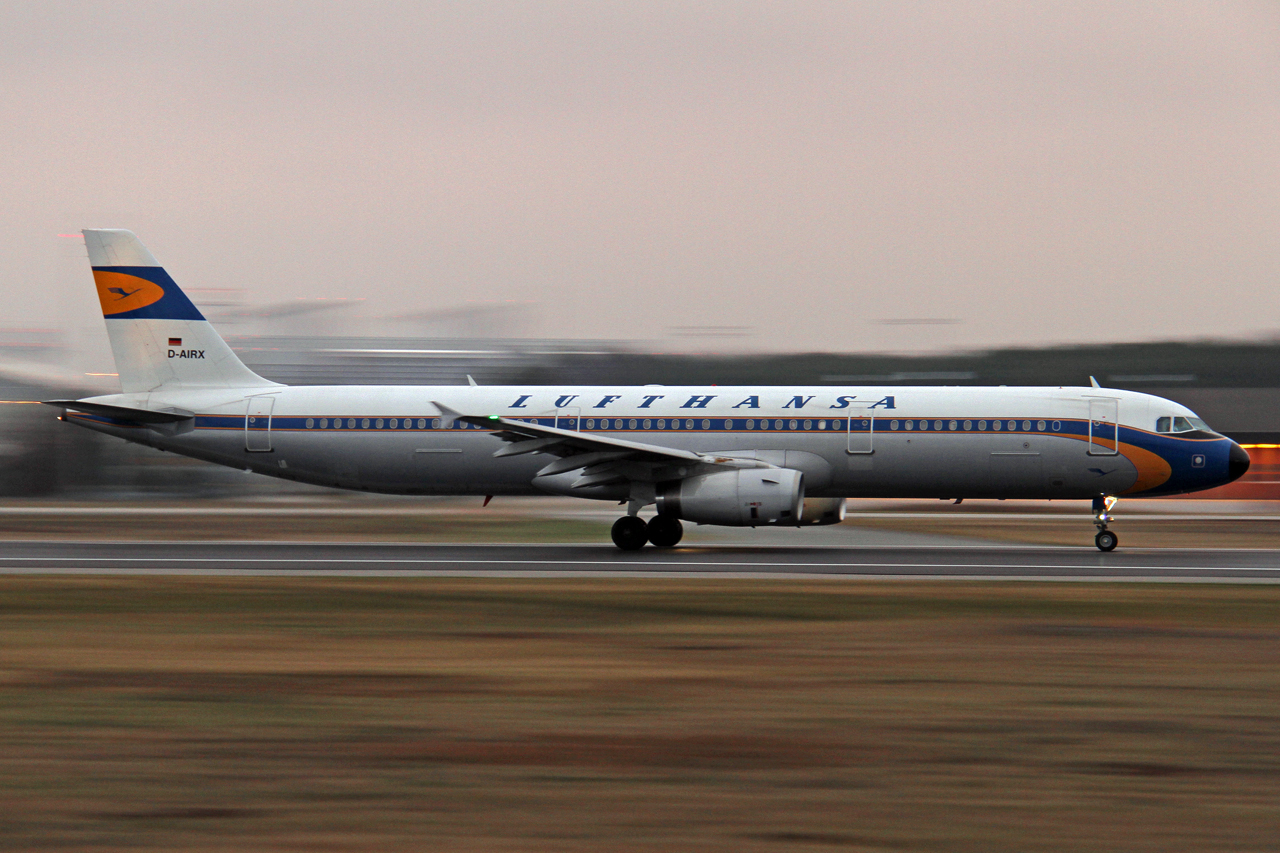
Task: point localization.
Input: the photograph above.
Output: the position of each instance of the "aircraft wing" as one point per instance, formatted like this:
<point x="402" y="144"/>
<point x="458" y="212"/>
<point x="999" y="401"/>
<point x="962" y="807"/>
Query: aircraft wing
<point x="604" y="460"/>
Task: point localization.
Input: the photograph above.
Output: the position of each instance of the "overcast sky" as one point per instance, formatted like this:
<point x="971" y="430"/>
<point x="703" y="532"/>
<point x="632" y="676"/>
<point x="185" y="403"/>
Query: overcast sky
<point x="1040" y="172"/>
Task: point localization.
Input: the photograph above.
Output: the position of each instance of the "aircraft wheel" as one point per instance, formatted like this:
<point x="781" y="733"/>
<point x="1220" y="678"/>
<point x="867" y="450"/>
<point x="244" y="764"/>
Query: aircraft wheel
<point x="629" y="533"/>
<point x="665" y="531"/>
<point x="1106" y="540"/>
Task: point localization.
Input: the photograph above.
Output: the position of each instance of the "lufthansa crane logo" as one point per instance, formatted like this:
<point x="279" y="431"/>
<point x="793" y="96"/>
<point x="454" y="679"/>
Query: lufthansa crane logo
<point x="120" y="292"/>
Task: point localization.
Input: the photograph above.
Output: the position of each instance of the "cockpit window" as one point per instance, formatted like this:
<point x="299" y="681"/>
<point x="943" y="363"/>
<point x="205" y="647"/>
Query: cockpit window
<point x="1181" y="424"/>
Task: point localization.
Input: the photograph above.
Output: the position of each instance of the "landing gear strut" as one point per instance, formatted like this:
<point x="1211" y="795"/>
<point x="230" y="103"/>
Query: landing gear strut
<point x="629" y="533"/>
<point x="1105" y="540"/>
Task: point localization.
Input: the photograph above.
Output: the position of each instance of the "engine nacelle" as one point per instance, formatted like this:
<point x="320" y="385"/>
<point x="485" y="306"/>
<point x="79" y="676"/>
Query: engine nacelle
<point x="744" y="498"/>
<point x="816" y="512"/>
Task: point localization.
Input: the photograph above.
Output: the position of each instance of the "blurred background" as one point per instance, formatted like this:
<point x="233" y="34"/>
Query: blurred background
<point x="986" y="193"/>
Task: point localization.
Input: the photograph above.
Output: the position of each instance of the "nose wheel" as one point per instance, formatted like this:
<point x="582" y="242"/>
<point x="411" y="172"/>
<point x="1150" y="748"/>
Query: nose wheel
<point x="1105" y="540"/>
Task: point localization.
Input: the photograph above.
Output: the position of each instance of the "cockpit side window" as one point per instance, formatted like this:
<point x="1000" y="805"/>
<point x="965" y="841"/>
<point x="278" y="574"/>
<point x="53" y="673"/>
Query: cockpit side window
<point x="1180" y="424"/>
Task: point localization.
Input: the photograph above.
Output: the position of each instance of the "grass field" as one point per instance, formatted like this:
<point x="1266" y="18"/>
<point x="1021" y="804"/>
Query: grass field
<point x="627" y="715"/>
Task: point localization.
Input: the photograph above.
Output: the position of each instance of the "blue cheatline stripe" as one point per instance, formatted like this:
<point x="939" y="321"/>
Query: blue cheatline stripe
<point x="174" y="305"/>
<point x="882" y="426"/>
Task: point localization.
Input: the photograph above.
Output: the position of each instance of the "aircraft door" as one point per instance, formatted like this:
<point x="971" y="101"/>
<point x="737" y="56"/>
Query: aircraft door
<point x="1104" y="426"/>
<point x="860" y="428"/>
<point x="257" y="423"/>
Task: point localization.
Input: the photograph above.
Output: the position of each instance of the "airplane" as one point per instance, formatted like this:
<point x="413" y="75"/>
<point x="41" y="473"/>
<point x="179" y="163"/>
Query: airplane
<point x="723" y="455"/>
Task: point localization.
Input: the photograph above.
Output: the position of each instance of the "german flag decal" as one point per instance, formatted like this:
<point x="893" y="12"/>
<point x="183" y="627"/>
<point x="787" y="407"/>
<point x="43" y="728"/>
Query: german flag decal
<point x="175" y="342"/>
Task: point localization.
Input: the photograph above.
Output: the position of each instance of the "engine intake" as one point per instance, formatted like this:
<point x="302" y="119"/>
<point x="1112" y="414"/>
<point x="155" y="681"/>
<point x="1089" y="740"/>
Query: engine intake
<point x="744" y="498"/>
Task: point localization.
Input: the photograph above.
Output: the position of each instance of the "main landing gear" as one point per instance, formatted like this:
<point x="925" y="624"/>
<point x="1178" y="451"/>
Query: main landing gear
<point x="630" y="533"/>
<point x="1105" y="540"/>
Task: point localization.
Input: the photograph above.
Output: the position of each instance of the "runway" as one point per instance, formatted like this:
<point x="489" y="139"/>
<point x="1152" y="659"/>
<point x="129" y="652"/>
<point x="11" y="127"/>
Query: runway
<point x="979" y="562"/>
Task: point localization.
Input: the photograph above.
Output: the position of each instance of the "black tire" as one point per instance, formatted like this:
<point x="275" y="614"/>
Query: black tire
<point x="629" y="533"/>
<point x="1106" y="540"/>
<point x="665" y="531"/>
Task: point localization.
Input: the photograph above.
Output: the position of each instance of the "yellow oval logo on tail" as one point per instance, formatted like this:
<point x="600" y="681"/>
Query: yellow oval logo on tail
<point x="119" y="292"/>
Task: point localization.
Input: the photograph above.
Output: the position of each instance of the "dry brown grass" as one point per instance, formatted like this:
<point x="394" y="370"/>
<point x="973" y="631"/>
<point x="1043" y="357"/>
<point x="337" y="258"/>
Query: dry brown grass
<point x="527" y="715"/>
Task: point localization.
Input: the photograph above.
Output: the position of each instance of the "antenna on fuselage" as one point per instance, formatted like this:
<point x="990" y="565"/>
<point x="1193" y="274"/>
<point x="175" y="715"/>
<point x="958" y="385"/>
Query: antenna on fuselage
<point x="1092" y="382"/>
<point x="471" y="381"/>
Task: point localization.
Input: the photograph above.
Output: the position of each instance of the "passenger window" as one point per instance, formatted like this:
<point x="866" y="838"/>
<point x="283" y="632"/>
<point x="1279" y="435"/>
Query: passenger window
<point x="1162" y="424"/>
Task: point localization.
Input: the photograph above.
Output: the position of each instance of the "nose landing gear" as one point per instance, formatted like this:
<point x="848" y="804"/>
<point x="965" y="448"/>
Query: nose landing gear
<point x="1105" y="540"/>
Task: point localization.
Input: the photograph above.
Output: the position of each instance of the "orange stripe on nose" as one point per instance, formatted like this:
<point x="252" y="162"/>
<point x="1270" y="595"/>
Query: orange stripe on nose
<point x="1153" y="470"/>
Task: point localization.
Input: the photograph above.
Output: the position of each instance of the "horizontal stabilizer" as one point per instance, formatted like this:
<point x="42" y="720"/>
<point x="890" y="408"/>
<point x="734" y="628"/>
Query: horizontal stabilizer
<point x="141" y="416"/>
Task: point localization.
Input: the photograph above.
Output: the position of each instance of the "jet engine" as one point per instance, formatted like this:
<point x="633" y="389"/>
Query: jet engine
<point x="817" y="512"/>
<point x="743" y="498"/>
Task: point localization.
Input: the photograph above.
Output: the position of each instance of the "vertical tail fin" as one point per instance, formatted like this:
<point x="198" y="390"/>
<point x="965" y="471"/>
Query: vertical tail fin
<point x="158" y="337"/>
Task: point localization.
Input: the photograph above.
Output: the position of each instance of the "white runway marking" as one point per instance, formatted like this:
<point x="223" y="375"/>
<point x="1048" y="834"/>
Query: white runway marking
<point x="405" y="560"/>
<point x="681" y="563"/>
<point x="589" y="573"/>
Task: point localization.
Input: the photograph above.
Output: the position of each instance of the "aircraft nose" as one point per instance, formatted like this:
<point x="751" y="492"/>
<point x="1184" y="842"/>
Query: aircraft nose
<point x="1237" y="462"/>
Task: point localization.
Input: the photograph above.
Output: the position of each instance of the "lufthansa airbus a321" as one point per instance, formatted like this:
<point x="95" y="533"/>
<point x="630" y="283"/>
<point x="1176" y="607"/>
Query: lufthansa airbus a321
<point x="740" y="456"/>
